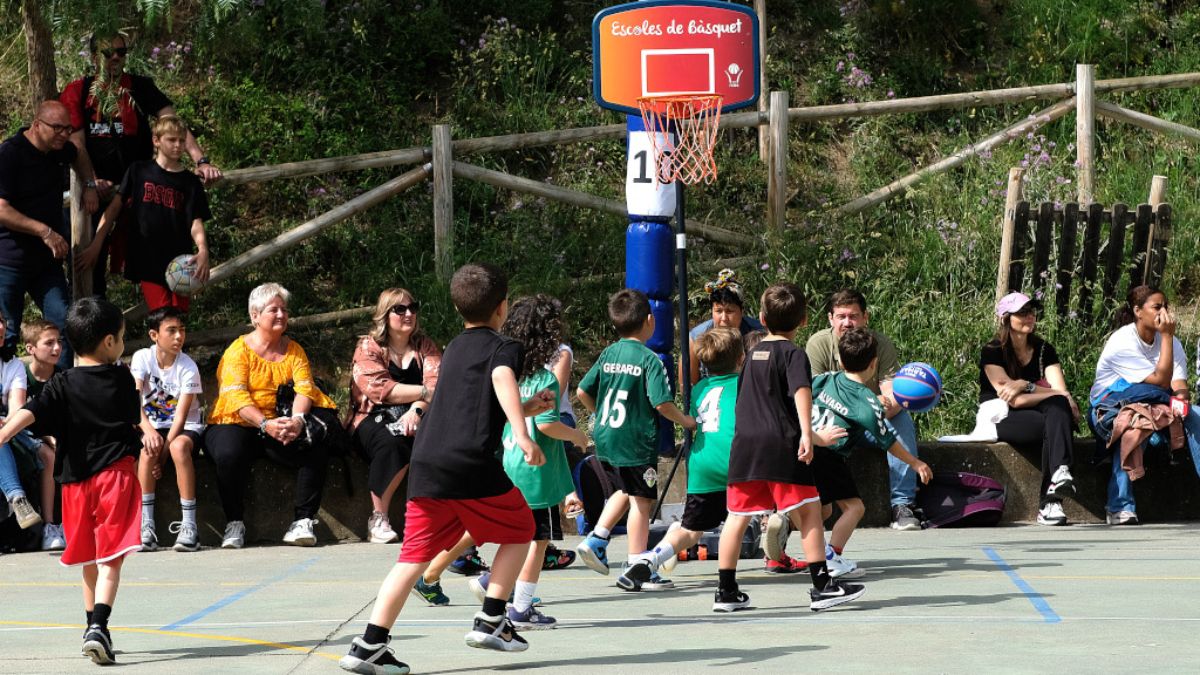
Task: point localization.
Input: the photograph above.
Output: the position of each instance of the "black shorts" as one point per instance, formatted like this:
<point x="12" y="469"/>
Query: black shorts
<point x="547" y="524"/>
<point x="834" y="480"/>
<point x="635" y="481"/>
<point x="186" y="432"/>
<point x="704" y="511"/>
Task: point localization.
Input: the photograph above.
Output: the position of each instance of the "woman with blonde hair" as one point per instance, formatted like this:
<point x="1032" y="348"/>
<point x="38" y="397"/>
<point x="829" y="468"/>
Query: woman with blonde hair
<point x="395" y="370"/>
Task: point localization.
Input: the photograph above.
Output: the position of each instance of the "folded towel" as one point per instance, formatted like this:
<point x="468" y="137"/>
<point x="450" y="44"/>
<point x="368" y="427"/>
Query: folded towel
<point x="990" y="414"/>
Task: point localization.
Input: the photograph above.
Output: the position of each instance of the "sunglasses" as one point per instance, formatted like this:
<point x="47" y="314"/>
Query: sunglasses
<point x="119" y="51"/>
<point x="400" y="310"/>
<point x="57" y="128"/>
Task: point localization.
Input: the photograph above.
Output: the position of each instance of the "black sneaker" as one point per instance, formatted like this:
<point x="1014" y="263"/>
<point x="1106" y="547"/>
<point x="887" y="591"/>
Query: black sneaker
<point x="97" y="645"/>
<point x="836" y="593"/>
<point x="370" y="659"/>
<point x="495" y="632"/>
<point x="634" y="576"/>
<point x="904" y="519"/>
<point x="730" y="601"/>
<point x="468" y="564"/>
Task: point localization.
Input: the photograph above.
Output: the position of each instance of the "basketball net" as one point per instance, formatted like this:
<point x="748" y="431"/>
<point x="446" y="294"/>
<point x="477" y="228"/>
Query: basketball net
<point x="687" y="154"/>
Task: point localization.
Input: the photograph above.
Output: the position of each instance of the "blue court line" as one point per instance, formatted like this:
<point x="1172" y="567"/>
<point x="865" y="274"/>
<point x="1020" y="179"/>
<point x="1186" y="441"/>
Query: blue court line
<point x="230" y="599"/>
<point x="1036" y="599"/>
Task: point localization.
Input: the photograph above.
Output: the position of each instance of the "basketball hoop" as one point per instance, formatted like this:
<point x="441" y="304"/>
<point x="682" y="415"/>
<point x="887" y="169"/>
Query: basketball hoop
<point x="687" y="154"/>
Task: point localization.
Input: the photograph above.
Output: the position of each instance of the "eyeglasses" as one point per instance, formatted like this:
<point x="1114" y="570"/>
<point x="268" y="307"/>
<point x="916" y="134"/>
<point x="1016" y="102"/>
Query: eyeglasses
<point x="119" y="51"/>
<point x="57" y="128"/>
<point x="412" y="307"/>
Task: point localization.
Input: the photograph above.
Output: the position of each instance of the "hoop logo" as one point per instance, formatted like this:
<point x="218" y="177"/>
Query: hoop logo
<point x="734" y="74"/>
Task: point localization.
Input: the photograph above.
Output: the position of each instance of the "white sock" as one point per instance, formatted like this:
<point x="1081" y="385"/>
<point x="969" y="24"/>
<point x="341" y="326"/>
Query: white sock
<point x="523" y="595"/>
<point x="189" y="510"/>
<point x="661" y="554"/>
<point x="602" y="532"/>
<point x="148" y="507"/>
<point x="638" y="557"/>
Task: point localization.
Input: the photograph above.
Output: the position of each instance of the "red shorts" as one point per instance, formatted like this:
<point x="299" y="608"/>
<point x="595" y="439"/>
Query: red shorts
<point x="160" y="296"/>
<point x="434" y="525"/>
<point x="764" y="496"/>
<point x="102" y="515"/>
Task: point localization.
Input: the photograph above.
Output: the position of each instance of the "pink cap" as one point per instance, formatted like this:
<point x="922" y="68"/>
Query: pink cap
<point x="1012" y="303"/>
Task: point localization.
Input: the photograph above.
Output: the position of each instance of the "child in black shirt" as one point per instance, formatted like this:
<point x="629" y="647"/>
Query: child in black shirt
<point x="93" y="412"/>
<point x="456" y="480"/>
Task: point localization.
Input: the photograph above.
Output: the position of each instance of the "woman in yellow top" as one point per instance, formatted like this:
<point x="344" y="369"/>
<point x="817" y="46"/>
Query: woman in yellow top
<point x="244" y="426"/>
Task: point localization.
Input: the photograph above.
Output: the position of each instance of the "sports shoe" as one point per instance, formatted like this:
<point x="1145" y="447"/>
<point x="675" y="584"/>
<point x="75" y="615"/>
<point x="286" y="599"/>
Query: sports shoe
<point x="469" y="564"/>
<point x="187" y="539"/>
<point x="1051" y="513"/>
<point x="149" y="536"/>
<point x="904" y="519"/>
<point x="840" y="568"/>
<point x="479" y="586"/>
<point x="775" y="536"/>
<point x="97" y="645"/>
<point x="1122" y="518"/>
<point x="657" y="583"/>
<point x="27" y="517"/>
<point x="836" y="593"/>
<point x="300" y="532"/>
<point x="495" y="632"/>
<point x="530" y="619"/>
<point x="787" y="565"/>
<point x="431" y="593"/>
<point x="52" y="538"/>
<point x="370" y="659"/>
<point x="593" y="551"/>
<point x="235" y="534"/>
<point x="670" y="563"/>
<point x="557" y="558"/>
<point x="730" y="601"/>
<point x="379" y="529"/>
<point x="634" y="576"/>
<point x="1062" y="483"/>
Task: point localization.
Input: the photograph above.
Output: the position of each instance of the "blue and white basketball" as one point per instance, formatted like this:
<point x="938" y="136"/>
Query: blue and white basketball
<point x="917" y="387"/>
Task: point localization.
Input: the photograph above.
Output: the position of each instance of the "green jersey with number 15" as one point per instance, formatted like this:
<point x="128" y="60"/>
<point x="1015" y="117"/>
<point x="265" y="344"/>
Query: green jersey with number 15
<point x="627" y="382"/>
<point x="713" y="401"/>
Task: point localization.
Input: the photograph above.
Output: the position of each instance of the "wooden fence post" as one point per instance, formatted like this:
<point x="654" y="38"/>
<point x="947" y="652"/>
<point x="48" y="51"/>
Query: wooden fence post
<point x="777" y="176"/>
<point x="81" y="237"/>
<point x="1085" y="131"/>
<point x="443" y="202"/>
<point x="1066" y="259"/>
<point x="1154" y="241"/>
<point x="1091" y="254"/>
<point x="764" y="138"/>
<point x="1008" y="230"/>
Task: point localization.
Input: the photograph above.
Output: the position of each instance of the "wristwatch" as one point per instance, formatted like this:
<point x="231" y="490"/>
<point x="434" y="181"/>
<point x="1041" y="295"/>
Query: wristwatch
<point x="1030" y="387"/>
<point x="419" y="412"/>
<point x="90" y="184"/>
<point x="262" y="427"/>
<point x="203" y="160"/>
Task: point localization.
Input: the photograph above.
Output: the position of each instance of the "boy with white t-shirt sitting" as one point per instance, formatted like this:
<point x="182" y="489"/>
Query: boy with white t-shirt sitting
<point x="169" y="383"/>
<point x="43" y="343"/>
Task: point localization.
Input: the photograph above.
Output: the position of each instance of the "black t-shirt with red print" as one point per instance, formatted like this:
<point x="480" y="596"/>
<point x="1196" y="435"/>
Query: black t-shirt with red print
<point x="161" y="206"/>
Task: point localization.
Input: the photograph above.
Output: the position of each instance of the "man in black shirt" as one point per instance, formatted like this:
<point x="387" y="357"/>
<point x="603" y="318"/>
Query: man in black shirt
<point x="31" y="244"/>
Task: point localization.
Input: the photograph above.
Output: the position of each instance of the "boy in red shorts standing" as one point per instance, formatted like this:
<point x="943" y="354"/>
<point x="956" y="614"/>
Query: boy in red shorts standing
<point x="457" y="482"/>
<point x="93" y="411"/>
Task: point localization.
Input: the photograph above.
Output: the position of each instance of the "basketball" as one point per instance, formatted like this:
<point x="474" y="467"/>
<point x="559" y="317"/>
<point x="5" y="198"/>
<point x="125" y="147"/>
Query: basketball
<point x="917" y="387"/>
<point x="180" y="277"/>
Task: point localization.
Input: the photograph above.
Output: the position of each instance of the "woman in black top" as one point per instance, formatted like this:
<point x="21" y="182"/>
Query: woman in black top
<point x="1023" y="370"/>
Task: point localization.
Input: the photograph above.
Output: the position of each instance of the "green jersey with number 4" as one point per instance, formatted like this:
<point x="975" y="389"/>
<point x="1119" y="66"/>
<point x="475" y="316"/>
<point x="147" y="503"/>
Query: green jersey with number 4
<point x="627" y="382"/>
<point x="713" y="401"/>
<point x="545" y="485"/>
<point x="841" y="402"/>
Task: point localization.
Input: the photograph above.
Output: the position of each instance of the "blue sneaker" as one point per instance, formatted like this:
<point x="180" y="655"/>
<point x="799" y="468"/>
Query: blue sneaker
<point x="430" y="593"/>
<point x="469" y="563"/>
<point x="635" y="576"/>
<point x="531" y="619"/>
<point x="657" y="583"/>
<point x="479" y="586"/>
<point x="593" y="551"/>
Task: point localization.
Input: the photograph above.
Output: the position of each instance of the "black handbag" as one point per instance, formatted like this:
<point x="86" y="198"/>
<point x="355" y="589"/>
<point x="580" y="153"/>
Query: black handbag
<point x="321" y="425"/>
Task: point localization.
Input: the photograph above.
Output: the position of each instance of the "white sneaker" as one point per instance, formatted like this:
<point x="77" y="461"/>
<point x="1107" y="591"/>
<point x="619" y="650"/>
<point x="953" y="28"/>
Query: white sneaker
<point x="300" y="533"/>
<point x="1122" y="518"/>
<point x="840" y="568"/>
<point x="149" y="536"/>
<point x="52" y="538"/>
<point x="775" y="536"/>
<point x="670" y="563"/>
<point x="379" y="529"/>
<point x="235" y="534"/>
<point x="1052" y="514"/>
<point x="1062" y="483"/>
<point x="188" y="539"/>
<point x="27" y="516"/>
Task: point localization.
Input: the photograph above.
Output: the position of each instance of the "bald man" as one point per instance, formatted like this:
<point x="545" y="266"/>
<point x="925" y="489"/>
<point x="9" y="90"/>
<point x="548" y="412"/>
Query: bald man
<point x="32" y="244"/>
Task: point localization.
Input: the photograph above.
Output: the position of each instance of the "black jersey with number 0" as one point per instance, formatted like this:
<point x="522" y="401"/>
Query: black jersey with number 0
<point x="767" y="435"/>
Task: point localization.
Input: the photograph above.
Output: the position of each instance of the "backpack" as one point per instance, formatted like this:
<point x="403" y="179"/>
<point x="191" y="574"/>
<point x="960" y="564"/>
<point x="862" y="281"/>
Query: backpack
<point x="593" y="488"/>
<point x="710" y="543"/>
<point x="960" y="499"/>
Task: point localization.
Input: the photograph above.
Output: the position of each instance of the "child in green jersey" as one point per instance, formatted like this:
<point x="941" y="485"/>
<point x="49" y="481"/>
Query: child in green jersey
<point x="629" y="383"/>
<point x="713" y="401"/>
<point x="849" y="414"/>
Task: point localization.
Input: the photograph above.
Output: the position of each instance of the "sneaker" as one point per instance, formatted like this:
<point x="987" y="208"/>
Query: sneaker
<point x="1062" y="483"/>
<point x="468" y="564"/>
<point x="840" y="568"/>
<point x="775" y="536"/>
<point x="187" y="539"/>
<point x="657" y="583"/>
<point x="371" y="659"/>
<point x="904" y="519"/>
<point x="1052" y="513"/>
<point x="786" y="565"/>
<point x="431" y="593"/>
<point x="479" y="586"/>
<point x="235" y="534"/>
<point x="149" y="536"/>
<point x="730" y="601"/>
<point x="531" y="619"/>
<point x="300" y="533"/>
<point x="496" y="633"/>
<point x="593" y="551"/>
<point x="52" y="538"/>
<point x="669" y="564"/>
<point x="1122" y="518"/>
<point x="836" y="593"/>
<point x="379" y="529"/>
<point x="635" y="576"/>
<point x="27" y="517"/>
<point x="556" y="558"/>
<point x="97" y="645"/>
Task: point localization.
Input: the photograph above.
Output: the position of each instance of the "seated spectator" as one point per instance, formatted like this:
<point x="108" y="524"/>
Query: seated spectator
<point x="43" y="344"/>
<point x="728" y="311"/>
<point x="1023" y="370"/>
<point x="245" y="424"/>
<point x="12" y="397"/>
<point x="391" y="383"/>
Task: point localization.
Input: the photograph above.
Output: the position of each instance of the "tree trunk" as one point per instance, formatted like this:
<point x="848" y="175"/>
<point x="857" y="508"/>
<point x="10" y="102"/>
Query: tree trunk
<point x="39" y="47"/>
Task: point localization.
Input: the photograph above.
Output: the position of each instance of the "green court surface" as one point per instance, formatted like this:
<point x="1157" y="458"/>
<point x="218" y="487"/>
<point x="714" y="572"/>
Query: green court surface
<point x="1013" y="599"/>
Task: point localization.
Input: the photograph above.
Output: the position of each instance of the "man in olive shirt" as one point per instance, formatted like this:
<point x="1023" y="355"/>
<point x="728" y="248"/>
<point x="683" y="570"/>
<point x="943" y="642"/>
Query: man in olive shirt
<point x="848" y="310"/>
